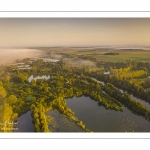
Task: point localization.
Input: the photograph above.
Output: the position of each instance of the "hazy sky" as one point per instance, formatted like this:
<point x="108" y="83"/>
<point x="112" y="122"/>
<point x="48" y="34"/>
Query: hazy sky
<point x="25" y="32"/>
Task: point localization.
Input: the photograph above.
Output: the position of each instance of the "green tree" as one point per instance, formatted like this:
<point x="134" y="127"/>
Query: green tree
<point x="12" y="99"/>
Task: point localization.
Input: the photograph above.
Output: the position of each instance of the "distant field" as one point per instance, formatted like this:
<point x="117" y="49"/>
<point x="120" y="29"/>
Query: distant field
<point x="124" y="55"/>
<point x="133" y="54"/>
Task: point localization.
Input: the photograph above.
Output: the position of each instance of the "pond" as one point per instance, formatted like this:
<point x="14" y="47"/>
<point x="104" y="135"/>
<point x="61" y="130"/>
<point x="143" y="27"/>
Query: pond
<point x="25" y="123"/>
<point x="61" y="123"/>
<point x="98" y="119"/>
<point x="38" y="77"/>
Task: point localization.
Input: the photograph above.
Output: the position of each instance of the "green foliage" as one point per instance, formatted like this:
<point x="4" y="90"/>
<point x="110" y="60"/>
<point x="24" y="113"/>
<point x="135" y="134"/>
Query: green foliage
<point x="133" y="105"/>
<point x="33" y="83"/>
<point x="2" y="92"/>
<point x="7" y="116"/>
<point x="17" y="95"/>
<point x="12" y="99"/>
<point x="40" y="120"/>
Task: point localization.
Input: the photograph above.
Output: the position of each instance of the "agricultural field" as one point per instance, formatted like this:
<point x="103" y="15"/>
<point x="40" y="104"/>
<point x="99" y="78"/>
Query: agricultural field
<point x="124" y="55"/>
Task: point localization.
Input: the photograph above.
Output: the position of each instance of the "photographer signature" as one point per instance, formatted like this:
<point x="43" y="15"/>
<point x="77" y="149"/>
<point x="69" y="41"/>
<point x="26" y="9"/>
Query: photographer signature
<point x="9" y="123"/>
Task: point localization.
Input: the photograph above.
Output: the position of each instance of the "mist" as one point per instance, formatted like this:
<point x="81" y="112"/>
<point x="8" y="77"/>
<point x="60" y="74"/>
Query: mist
<point x="79" y="62"/>
<point x="11" y="55"/>
<point x="53" y="55"/>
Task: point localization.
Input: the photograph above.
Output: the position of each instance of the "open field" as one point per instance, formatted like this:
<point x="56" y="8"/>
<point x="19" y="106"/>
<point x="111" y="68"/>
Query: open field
<point x="99" y="54"/>
<point x="124" y="56"/>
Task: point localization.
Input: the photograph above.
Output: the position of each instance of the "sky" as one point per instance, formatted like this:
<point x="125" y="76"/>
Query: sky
<point x="44" y="32"/>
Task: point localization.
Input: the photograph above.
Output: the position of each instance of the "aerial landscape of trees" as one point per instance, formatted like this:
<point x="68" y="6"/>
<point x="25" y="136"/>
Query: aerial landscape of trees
<point x="68" y="79"/>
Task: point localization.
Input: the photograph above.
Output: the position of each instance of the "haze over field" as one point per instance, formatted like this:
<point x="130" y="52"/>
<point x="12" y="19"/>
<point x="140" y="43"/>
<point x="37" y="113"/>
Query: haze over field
<point x="53" y="55"/>
<point x="82" y="33"/>
<point x="79" y="62"/>
<point x="10" y="55"/>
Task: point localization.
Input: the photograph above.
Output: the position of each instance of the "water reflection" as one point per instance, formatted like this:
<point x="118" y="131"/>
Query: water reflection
<point x="25" y="123"/>
<point x="146" y="104"/>
<point x="60" y="123"/>
<point x="98" y="119"/>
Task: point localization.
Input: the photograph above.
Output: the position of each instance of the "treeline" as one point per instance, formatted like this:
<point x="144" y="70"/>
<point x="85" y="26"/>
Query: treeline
<point x="127" y="85"/>
<point x="40" y="120"/>
<point x="60" y="105"/>
<point x="111" y="53"/>
<point x="127" y="73"/>
<point x="128" y="80"/>
<point x="7" y="114"/>
<point x="92" y="89"/>
<point x="124" y="98"/>
<point x="134" y="66"/>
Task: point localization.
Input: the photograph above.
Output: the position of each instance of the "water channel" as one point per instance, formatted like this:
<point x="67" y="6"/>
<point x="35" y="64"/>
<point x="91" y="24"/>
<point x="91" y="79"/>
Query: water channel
<point x="146" y="104"/>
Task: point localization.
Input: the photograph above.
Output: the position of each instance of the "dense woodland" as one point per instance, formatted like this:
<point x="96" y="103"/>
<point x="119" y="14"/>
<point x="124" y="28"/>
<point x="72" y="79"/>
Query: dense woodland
<point x="18" y="95"/>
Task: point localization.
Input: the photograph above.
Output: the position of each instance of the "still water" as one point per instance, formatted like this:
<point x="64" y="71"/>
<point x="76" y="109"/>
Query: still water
<point x="146" y="104"/>
<point x="94" y="116"/>
<point x="98" y="119"/>
<point x="25" y="123"/>
<point x="60" y="123"/>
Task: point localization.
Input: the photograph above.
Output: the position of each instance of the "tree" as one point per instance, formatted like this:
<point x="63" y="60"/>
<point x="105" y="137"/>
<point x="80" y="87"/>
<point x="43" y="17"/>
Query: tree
<point x="2" y="92"/>
<point x="12" y="99"/>
<point x="33" y="83"/>
<point x="36" y="115"/>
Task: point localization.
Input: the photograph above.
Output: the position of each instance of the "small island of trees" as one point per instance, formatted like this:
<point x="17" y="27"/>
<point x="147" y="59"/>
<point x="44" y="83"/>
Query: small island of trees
<point x="111" y="53"/>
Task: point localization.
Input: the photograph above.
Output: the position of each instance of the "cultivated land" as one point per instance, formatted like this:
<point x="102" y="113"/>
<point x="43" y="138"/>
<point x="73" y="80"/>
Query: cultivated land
<point x="137" y="55"/>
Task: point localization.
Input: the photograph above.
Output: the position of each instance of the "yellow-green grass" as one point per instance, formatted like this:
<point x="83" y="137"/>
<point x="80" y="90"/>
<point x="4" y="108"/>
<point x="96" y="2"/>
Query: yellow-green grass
<point x="124" y="55"/>
<point x="140" y="56"/>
